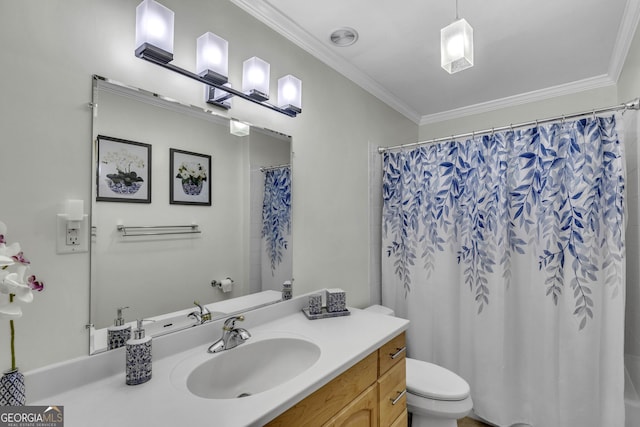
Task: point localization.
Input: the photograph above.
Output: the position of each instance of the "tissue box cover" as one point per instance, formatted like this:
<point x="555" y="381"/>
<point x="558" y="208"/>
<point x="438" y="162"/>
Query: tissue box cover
<point x="336" y="300"/>
<point x="315" y="304"/>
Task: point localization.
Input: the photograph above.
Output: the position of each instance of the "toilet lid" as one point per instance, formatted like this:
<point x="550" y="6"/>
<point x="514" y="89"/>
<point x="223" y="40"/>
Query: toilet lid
<point x="434" y="382"/>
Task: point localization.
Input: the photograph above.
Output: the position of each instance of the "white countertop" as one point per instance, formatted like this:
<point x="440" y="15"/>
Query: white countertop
<point x="102" y="398"/>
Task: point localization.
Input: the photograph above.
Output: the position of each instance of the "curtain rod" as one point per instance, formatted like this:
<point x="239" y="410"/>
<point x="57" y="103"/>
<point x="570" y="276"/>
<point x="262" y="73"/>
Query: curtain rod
<point x="631" y="105"/>
<point x="264" y="168"/>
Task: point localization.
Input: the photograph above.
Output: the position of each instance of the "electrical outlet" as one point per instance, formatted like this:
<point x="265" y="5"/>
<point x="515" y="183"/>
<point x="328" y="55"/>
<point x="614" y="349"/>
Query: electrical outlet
<point x="72" y="240"/>
<point x="73" y="236"/>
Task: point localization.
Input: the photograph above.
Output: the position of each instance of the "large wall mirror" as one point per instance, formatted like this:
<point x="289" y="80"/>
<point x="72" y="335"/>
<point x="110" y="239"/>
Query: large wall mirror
<point x="178" y="203"/>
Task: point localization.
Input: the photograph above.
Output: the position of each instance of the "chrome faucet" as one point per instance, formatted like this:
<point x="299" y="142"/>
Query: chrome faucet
<point x="231" y="336"/>
<point x="203" y="316"/>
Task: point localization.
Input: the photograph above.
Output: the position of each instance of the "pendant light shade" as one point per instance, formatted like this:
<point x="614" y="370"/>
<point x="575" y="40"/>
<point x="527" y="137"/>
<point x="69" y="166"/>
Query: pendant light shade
<point x="290" y="93"/>
<point x="154" y="31"/>
<point x="212" y="59"/>
<point x="456" y="46"/>
<point x="255" y="78"/>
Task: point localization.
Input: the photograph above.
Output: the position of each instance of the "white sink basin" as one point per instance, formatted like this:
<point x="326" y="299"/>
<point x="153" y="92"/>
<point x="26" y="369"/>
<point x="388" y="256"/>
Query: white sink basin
<point x="250" y="368"/>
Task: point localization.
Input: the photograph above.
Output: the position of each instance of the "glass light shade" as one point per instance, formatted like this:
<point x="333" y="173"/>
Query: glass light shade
<point x="154" y="31"/>
<point x="255" y="78"/>
<point x="456" y="46"/>
<point x="290" y="93"/>
<point x="239" y="128"/>
<point x="212" y="55"/>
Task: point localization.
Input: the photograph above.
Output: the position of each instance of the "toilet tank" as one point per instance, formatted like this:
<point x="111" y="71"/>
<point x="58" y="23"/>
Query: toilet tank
<point x="380" y="309"/>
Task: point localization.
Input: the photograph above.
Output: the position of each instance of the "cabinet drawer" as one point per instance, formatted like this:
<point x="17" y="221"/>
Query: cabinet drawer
<point x="392" y="398"/>
<point x="391" y="353"/>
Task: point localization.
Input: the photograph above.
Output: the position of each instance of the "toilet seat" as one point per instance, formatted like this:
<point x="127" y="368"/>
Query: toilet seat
<point x="435" y="382"/>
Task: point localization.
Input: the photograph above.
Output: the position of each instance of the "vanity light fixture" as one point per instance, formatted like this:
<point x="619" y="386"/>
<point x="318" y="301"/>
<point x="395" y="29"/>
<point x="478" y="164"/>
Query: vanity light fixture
<point x="255" y="78"/>
<point x="154" y="31"/>
<point x="154" y="43"/>
<point x="218" y="96"/>
<point x="212" y="59"/>
<point x="290" y="93"/>
<point x="456" y="45"/>
<point x="239" y="128"/>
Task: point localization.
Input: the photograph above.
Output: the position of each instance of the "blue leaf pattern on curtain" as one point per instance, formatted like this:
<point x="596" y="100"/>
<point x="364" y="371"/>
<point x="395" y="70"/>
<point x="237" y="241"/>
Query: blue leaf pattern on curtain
<point x="556" y="189"/>
<point x="276" y="213"/>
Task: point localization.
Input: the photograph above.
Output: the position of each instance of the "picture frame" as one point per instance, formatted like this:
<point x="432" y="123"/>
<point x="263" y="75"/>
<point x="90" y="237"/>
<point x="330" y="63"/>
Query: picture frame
<point x="189" y="178"/>
<point x="123" y="170"/>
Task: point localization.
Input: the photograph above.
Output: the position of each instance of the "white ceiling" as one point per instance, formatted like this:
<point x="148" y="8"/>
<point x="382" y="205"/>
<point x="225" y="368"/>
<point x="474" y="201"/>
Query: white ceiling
<point x="525" y="50"/>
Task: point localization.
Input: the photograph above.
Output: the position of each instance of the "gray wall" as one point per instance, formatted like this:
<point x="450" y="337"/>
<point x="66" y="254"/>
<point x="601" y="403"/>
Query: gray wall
<point x="50" y="51"/>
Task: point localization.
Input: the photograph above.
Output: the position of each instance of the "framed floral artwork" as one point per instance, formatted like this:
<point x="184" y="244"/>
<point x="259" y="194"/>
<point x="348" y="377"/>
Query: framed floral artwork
<point x="190" y="178"/>
<point x="123" y="170"/>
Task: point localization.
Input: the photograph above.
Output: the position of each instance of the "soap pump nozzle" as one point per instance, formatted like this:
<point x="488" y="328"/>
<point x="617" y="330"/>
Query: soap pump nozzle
<point x="120" y="320"/>
<point x="139" y="332"/>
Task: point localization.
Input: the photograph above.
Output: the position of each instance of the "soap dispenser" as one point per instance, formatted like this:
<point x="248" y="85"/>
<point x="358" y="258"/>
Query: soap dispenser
<point x="286" y="290"/>
<point x="119" y="333"/>
<point x="138" y="357"/>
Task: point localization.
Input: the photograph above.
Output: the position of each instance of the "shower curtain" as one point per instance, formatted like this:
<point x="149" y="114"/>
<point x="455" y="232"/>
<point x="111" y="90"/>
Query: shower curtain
<point x="506" y="252"/>
<point x="276" y="228"/>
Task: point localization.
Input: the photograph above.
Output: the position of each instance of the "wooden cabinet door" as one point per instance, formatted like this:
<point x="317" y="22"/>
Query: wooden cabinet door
<point x="322" y="405"/>
<point x="402" y="420"/>
<point x="362" y="412"/>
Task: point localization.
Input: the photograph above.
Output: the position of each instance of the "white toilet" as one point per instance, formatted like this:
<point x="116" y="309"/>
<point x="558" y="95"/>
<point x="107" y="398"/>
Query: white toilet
<point x="436" y="397"/>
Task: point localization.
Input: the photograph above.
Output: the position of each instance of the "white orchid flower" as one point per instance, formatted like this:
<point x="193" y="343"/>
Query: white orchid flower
<point x="6" y="261"/>
<point x="22" y="291"/>
<point x="10" y="250"/>
<point x="10" y="311"/>
<point x="13" y="283"/>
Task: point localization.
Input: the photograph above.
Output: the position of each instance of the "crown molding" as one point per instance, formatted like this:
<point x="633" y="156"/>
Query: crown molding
<point x="624" y="38"/>
<point x="274" y="19"/>
<point x="524" y="98"/>
<point x="289" y="29"/>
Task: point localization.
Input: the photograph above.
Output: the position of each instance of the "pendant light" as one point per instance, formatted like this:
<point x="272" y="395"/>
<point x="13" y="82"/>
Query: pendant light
<point x="456" y="45"/>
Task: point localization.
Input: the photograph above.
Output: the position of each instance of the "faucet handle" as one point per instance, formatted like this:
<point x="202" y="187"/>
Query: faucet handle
<point x="230" y="323"/>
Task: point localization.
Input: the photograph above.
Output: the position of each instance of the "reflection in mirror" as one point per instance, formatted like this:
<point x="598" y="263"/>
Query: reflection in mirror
<point x="177" y="213"/>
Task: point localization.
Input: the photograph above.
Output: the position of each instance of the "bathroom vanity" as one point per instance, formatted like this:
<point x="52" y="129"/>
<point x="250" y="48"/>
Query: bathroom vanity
<point x="311" y="372"/>
<point x="372" y="392"/>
